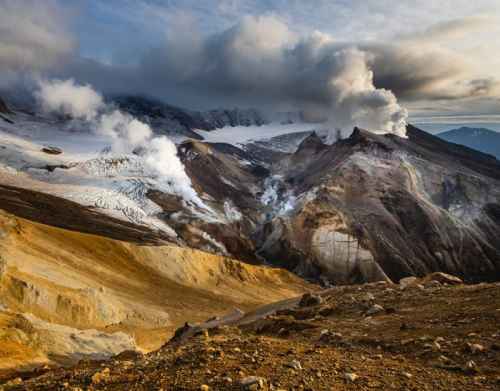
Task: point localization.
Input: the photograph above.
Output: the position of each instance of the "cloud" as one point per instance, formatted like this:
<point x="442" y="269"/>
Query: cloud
<point x="436" y="63"/>
<point x="260" y="62"/>
<point x="416" y="71"/>
<point x="454" y="28"/>
<point x="33" y="36"/>
<point x="194" y="54"/>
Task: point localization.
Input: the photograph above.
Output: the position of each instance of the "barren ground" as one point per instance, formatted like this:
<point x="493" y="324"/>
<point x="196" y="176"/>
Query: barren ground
<point x="435" y="337"/>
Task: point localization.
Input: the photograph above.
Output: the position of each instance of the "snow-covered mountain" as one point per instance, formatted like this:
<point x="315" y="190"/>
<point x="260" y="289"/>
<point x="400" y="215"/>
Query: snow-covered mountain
<point x="366" y="208"/>
<point x="481" y="139"/>
<point x="164" y="118"/>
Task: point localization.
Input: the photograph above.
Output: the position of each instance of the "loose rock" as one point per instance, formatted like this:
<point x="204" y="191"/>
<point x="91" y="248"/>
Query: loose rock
<point x="407" y="281"/>
<point x="295" y="364"/>
<point x="375" y="309"/>
<point x="51" y="150"/>
<point x="350" y="376"/>
<point x="309" y="300"/>
<point x="253" y="383"/>
<point x="443" y="278"/>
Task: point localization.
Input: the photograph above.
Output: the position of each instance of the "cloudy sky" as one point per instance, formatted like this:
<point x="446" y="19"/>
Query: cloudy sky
<point x="432" y="58"/>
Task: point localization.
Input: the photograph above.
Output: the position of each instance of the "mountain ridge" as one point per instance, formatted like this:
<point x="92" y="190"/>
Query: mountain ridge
<point x="481" y="139"/>
<point x="97" y="241"/>
<point x="166" y="118"/>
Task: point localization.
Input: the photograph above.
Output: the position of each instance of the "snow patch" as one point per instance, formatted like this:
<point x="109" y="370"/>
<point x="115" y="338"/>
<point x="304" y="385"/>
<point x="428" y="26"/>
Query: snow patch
<point x="232" y="213"/>
<point x="277" y="196"/>
<point x="239" y="135"/>
<point x="214" y="242"/>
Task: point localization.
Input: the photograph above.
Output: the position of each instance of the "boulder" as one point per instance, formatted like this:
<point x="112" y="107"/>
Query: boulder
<point x="309" y="300"/>
<point x="375" y="309"/>
<point x="51" y="150"/>
<point x="350" y="376"/>
<point x="442" y="278"/>
<point x="4" y="108"/>
<point x="408" y="281"/>
<point x="295" y="364"/>
<point x="253" y="383"/>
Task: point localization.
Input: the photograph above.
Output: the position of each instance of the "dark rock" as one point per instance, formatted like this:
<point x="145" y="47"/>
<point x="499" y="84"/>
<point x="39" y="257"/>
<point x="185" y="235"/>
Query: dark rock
<point x="4" y="109"/>
<point x="131" y="355"/>
<point x="442" y="278"/>
<point x="374" y="310"/>
<point x="51" y="150"/>
<point x="309" y="300"/>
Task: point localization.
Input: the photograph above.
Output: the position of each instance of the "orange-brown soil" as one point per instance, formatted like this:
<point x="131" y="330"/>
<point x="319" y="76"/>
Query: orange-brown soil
<point x="431" y="337"/>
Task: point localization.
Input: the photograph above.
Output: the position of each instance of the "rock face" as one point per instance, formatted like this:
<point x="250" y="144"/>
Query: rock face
<point x="4" y="109"/>
<point x="374" y="207"/>
<point x="51" y="150"/>
<point x="170" y="119"/>
<point x="366" y="208"/>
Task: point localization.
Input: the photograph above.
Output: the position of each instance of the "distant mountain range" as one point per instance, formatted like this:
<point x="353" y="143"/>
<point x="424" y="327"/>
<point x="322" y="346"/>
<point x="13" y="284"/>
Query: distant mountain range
<point x="164" y="118"/>
<point x="481" y="139"/>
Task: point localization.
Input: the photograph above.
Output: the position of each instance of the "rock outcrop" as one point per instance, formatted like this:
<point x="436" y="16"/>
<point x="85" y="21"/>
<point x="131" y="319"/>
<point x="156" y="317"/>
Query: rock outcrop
<point x="4" y="109"/>
<point x="5" y="112"/>
<point x="381" y="207"/>
<point x="367" y="208"/>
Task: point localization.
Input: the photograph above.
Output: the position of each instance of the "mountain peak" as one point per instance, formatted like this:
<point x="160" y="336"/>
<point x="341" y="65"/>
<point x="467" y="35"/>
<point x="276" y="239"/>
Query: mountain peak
<point x="481" y="139"/>
<point x="311" y="144"/>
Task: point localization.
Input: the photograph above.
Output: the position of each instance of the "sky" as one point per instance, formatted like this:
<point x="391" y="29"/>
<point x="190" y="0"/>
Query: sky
<point x="371" y="59"/>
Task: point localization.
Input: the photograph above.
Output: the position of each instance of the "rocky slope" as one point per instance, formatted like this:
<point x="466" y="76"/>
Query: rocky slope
<point x="5" y="112"/>
<point x="3" y="107"/>
<point x="434" y="333"/>
<point x="99" y="255"/>
<point x="366" y="208"/>
<point x="372" y="207"/>
<point x="67" y="295"/>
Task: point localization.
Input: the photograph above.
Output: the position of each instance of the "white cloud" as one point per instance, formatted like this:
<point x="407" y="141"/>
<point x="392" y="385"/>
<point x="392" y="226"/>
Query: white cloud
<point x="33" y="36"/>
<point x="427" y="52"/>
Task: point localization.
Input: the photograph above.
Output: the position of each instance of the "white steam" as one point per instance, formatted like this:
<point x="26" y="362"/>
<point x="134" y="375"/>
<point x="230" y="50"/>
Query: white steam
<point x="65" y="97"/>
<point x="126" y="133"/>
<point x="261" y="62"/>
<point x="356" y="101"/>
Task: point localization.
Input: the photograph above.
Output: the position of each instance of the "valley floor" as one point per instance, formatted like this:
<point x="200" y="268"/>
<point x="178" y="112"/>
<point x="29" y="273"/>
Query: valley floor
<point x="423" y="336"/>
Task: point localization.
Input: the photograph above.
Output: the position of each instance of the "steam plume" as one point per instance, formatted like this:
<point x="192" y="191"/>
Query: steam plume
<point x="260" y="60"/>
<point x="67" y="98"/>
<point x="125" y="132"/>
